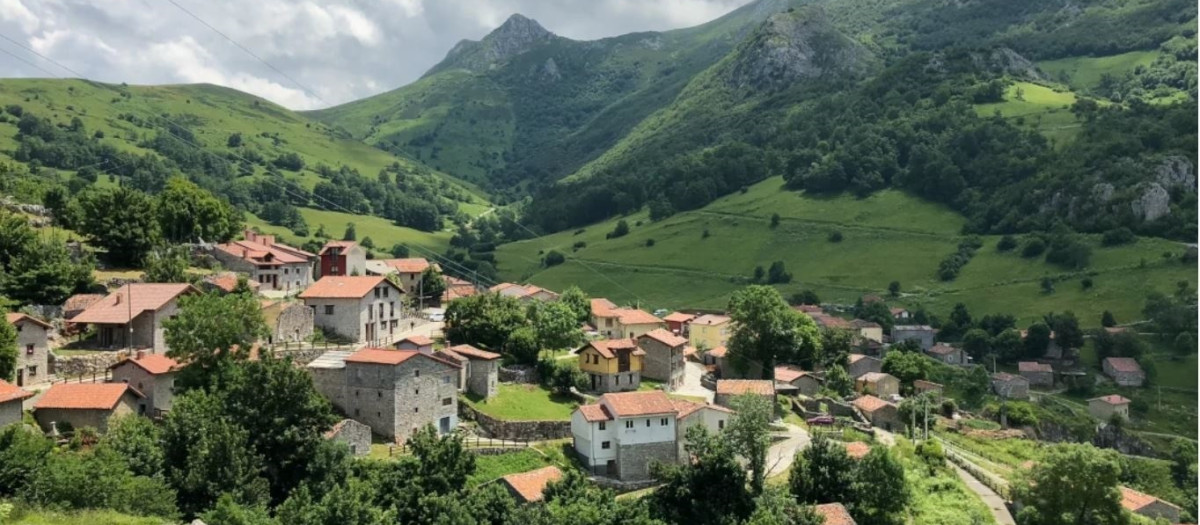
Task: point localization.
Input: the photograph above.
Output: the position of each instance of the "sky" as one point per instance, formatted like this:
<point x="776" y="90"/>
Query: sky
<point x="326" y="51"/>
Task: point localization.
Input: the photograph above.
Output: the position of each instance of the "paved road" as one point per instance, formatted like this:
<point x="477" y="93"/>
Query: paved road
<point x="692" y="372"/>
<point x="994" y="502"/>
<point x="782" y="453"/>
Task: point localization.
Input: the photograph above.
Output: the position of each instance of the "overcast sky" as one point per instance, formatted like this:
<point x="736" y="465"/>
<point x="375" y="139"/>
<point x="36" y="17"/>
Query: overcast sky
<point x="338" y="50"/>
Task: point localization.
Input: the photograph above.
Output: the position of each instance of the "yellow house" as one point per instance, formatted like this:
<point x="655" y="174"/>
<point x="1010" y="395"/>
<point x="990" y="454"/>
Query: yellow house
<point x="710" y="331"/>
<point x="612" y="365"/>
<point x="619" y="323"/>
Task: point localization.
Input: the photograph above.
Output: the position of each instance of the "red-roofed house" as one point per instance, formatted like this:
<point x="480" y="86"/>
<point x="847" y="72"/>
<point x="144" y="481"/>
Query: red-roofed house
<point x="806" y="382"/>
<point x="226" y="282"/>
<point x="151" y="374"/>
<point x="615" y="322"/>
<point x="78" y="303"/>
<point x="729" y="389"/>
<point x="527" y="487"/>
<point x="879" y="412"/>
<point x="420" y="343"/>
<point x="524" y="292"/>
<point x="613" y="365"/>
<point x="879" y="384"/>
<point x="621" y="434"/>
<point x="1148" y="506"/>
<point x="457" y="288"/>
<point x="409" y="270"/>
<point x="137" y="310"/>
<point x="395" y="392"/>
<point x="273" y="265"/>
<point x="664" y="359"/>
<point x="834" y="514"/>
<point x="1125" y="371"/>
<point x="677" y="322"/>
<point x="950" y="355"/>
<point x="363" y="308"/>
<point x="33" y="348"/>
<point x="342" y="258"/>
<point x="85" y="405"/>
<point x="11" y="398"/>
<point x="1104" y="407"/>
<point x="481" y="369"/>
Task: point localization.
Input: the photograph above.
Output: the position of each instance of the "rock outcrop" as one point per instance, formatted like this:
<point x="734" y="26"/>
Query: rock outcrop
<point x="517" y="35"/>
<point x="1153" y="202"/>
<point x="793" y="46"/>
<point x="1176" y="172"/>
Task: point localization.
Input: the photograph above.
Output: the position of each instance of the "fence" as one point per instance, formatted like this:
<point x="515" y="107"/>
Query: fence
<point x="476" y="444"/>
<point x="94" y="377"/>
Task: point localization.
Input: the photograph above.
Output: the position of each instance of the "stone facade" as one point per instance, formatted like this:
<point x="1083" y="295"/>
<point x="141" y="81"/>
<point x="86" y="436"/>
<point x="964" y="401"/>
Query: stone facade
<point x="863" y="364"/>
<point x="633" y="461"/>
<point x="10" y="412"/>
<point x="288" y="321"/>
<point x="922" y="334"/>
<point x="33" y="349"/>
<point x="159" y="389"/>
<point x="82" y="365"/>
<point x="1010" y="386"/>
<point x="518" y="430"/>
<point x="97" y="419"/>
<point x="482" y="377"/>
<point x="147" y="330"/>
<point x="524" y="374"/>
<point x="663" y="362"/>
<point x="1125" y="371"/>
<point x="355" y="435"/>
<point x="1103" y="408"/>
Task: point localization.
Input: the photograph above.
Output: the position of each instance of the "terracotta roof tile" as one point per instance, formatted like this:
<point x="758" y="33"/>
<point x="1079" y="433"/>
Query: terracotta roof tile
<point x="345" y="287"/>
<point x="84" y="396"/>
<point x="746" y="386"/>
<point x="154" y="364"/>
<point x="529" y="485"/>
<point x="788" y="373"/>
<point x="81" y="301"/>
<point x="1112" y="399"/>
<point x="1134" y="500"/>
<point x="472" y="352"/>
<point x="719" y="351"/>
<point x="594" y="413"/>
<point x="120" y="306"/>
<point x="602" y="307"/>
<point x="629" y="316"/>
<point x="419" y="340"/>
<point x="854" y="358"/>
<point x="678" y="317"/>
<point x="1123" y="364"/>
<point x="262" y="254"/>
<point x="684" y="408"/>
<point x="863" y="323"/>
<point x="1034" y="366"/>
<point x="869" y="403"/>
<point x="11" y="392"/>
<point x="874" y="377"/>
<point x="381" y="356"/>
<point x="830" y="321"/>
<point x="665" y="337"/>
<point x="227" y="281"/>
<point x="942" y="349"/>
<point x="627" y="404"/>
<point x="923" y="385"/>
<point x="835" y="514"/>
<point x="857" y="449"/>
<point x="608" y="347"/>
<point x="407" y="265"/>
<point x="337" y="244"/>
<point x="710" y="320"/>
<point x="16" y="317"/>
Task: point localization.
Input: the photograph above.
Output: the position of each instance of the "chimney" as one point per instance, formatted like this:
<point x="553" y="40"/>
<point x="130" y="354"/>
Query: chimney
<point x="249" y="235"/>
<point x="141" y="354"/>
<point x="267" y="240"/>
<point x="118" y="299"/>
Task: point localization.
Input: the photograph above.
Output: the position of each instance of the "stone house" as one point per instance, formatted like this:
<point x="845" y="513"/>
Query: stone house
<point x="614" y="322"/>
<point x="664" y="360"/>
<point x="137" y="310"/>
<point x="11" y="399"/>
<point x="612" y="365"/>
<point x="922" y="334"/>
<point x="1104" y="407"/>
<point x="342" y="258"/>
<point x="273" y="265"/>
<point x="806" y="383"/>
<point x="716" y="361"/>
<point x="623" y="433"/>
<point x="457" y="288"/>
<point x="79" y="302"/>
<point x="361" y="308"/>
<point x="1010" y="386"/>
<point x="831" y="322"/>
<point x="480" y="372"/>
<point x="1125" y="371"/>
<point x="1149" y="506"/>
<point x="288" y="321"/>
<point x="677" y="322"/>
<point x="527" y="487"/>
<point x="728" y="389"/>
<point x="86" y="405"/>
<point x="861" y="365"/>
<point x="225" y="282"/>
<point x="355" y="435"/>
<point x="879" y="384"/>
<point x="868" y="330"/>
<point x="407" y="270"/>
<point x="880" y="413"/>
<point x="922" y="386"/>
<point x="395" y="392"/>
<point x="524" y="292"/>
<point x="420" y="343"/>
<point x="834" y="514"/>
<point x="1038" y="374"/>
<point x="33" y="348"/>
<point x="153" y="375"/>
<point x="947" y="354"/>
<point x="710" y="331"/>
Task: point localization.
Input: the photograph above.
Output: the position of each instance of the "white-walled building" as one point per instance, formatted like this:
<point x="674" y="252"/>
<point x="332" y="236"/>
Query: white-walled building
<point x="362" y="308"/>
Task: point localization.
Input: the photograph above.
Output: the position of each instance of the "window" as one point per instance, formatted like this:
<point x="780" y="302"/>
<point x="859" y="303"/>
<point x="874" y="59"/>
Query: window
<point x="333" y="270"/>
<point x="647" y="423"/>
<point x="329" y="309"/>
<point x="416" y="391"/>
<point x="392" y="309"/>
<point x="629" y="424"/>
<point x="416" y="373"/>
<point x="385" y="291"/>
<point x="29" y="349"/>
<point x="32" y="370"/>
<point x="379" y="395"/>
<point x="662" y="422"/>
<point x="605" y="445"/>
<point x="356" y="411"/>
<point x="446" y="401"/>
<point x="446" y="379"/>
<point x="416" y="409"/>
<point x="721" y="425"/>
<point x="377" y="293"/>
<point x="602" y="425"/>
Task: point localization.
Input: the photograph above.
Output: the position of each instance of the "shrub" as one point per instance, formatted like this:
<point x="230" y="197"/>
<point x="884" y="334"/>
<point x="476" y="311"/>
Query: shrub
<point x="1118" y="236"/>
<point x="554" y="258"/>
<point x="775" y="220"/>
<point x="1033" y="247"/>
<point x="706" y="234"/>
<point x="777" y="273"/>
<point x="579" y="245"/>
<point x="1086" y="283"/>
<point x="621" y="230"/>
<point x="649" y="242"/>
<point x="949" y="407"/>
<point x="835" y="236"/>
<point x="1006" y="244"/>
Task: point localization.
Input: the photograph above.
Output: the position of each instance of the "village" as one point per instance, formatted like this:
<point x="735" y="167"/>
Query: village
<point x="618" y="390"/>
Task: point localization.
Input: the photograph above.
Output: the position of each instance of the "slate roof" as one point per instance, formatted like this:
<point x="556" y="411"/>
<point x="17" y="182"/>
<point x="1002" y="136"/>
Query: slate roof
<point x="745" y="386"/>
<point x="84" y="396"/>
<point x="629" y="404"/>
<point x="529" y="485"/>
<point x="665" y="337"/>
<point x="344" y="287"/>
<point x="11" y="392"/>
<point x="122" y="305"/>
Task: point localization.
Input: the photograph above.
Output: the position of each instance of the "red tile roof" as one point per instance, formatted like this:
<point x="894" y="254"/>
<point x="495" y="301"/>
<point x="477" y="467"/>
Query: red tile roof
<point x="11" y="392"/>
<point x="923" y="385"/>
<point x="154" y="364"/>
<point x="686" y="408"/>
<point x="456" y="288"/>
<point x="628" y="404"/>
<point x="634" y="316"/>
<point x="746" y="386"/>
<point x="942" y="349"/>
<point x="262" y="254"/>
<point x="131" y="300"/>
<point x="857" y="449"/>
<point x="788" y="373"/>
<point x="472" y="352"/>
<point x="1123" y="364"/>
<point x="594" y="413"/>
<point x="407" y="265"/>
<point x="678" y="317"/>
<point x="81" y="301"/>
<point x="869" y="403"/>
<point x="419" y="340"/>
<point x="529" y="485"/>
<point x="390" y="356"/>
<point x="710" y="320"/>
<point x="854" y="358"/>
<point x="1034" y="366"/>
<point x="1112" y="399"/>
<point x="608" y="347"/>
<point x="16" y="317"/>
<point x="1134" y="500"/>
<point x="835" y="514"/>
<point x="829" y="321"/>
<point x="227" y="281"/>
<point x="1005" y="376"/>
<point x="602" y="307"/>
<point x="665" y="337"/>
<point x="719" y="351"/>
<point x="84" y="396"/>
<point x="345" y="287"/>
<point x="337" y="244"/>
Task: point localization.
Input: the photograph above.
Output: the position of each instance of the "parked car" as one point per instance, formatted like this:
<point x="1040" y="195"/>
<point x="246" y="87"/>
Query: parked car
<point x="824" y="420"/>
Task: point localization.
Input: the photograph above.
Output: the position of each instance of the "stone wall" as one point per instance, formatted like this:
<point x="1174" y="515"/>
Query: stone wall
<point x="518" y="374"/>
<point x="633" y="461"/>
<point x="81" y="365"/>
<point x="355" y="435"/>
<point x="516" y="430"/>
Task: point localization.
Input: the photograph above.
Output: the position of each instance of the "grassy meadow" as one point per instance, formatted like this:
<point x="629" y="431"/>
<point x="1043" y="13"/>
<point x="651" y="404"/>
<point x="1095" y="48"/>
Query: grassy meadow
<point x="1084" y="72"/>
<point x="383" y="233"/>
<point x="1038" y="107"/>
<point x="885" y="237"/>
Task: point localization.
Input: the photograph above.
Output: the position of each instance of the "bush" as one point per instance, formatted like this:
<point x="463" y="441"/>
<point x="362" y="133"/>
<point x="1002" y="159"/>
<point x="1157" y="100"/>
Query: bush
<point x="579" y="245"/>
<point x="836" y="236"/>
<point x="554" y="258"/>
<point x="1118" y="236"/>
<point x="1006" y="244"/>
<point x="1086" y="283"/>
<point x="621" y="230"/>
<point x="649" y="242"/>
<point x="777" y="273"/>
<point x="706" y="234"/>
<point x="775" y="220"/>
<point x="1033" y="248"/>
<point x="949" y="407"/>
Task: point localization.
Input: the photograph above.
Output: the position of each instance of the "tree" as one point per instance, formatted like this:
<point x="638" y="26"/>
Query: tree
<point x="166" y="264"/>
<point x="22" y="455"/>
<point x="960" y="316"/>
<point x="350" y="234"/>
<point x="367" y="243"/>
<point x="805" y="297"/>
<point x="775" y="220"/>
<point x="137" y="441"/>
<point x="880" y="490"/>
<point x="433" y="285"/>
<point x="555" y="324"/>
<point x="235" y="140"/>
<point x="45" y="272"/>
<point x="229" y="512"/>
<point x="1047" y="285"/>
<point x="777" y="273"/>
<point x="1065" y="328"/>
<point x="1007" y="345"/>
<point x="1107" y="319"/>
<point x="876" y="312"/>
<point x="775" y="506"/>
<point x="838" y="380"/>
<point x="975" y="386"/>
<point x="1006" y="243"/>
<point x="907" y="366"/>
<point x="749" y="432"/>
<point x="484" y="320"/>
<point x="822" y="473"/>
<point x="209" y="331"/>
<point x="8" y="351"/>
<point x="189" y="213"/>
<point x="398" y="250"/>
<point x="1037" y="340"/>
<point x="713" y="476"/>
<point x="522" y="345"/>
<point x="121" y="220"/>
<point x="574" y="297"/>
<point x="894" y="288"/>
<point x="1072" y="483"/>
<point x="767" y="329"/>
<point x="977" y="344"/>
<point x="621" y="230"/>
<point x="836" y="346"/>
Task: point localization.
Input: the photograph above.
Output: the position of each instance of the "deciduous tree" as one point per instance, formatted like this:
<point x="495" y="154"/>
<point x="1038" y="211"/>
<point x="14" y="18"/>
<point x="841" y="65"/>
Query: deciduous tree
<point x="767" y="329"/>
<point x="1072" y="483"/>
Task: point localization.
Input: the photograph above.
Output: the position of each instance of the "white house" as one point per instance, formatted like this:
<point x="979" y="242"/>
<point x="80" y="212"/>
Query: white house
<point x="273" y="265"/>
<point x="362" y="308"/>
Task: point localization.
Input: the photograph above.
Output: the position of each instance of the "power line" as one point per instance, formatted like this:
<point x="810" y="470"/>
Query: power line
<point x="43" y="57"/>
<point x="31" y="64"/>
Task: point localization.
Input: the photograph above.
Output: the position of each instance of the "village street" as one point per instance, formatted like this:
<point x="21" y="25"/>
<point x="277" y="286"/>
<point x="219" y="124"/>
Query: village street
<point x="782" y="453"/>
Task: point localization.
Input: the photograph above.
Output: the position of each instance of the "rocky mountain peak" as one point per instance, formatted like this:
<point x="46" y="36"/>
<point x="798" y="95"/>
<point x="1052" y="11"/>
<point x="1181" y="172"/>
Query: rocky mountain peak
<point x="515" y="36"/>
<point x="794" y="45"/>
